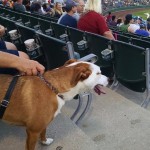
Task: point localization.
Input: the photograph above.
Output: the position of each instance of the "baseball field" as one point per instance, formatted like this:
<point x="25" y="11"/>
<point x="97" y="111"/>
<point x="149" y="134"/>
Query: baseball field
<point x="137" y="12"/>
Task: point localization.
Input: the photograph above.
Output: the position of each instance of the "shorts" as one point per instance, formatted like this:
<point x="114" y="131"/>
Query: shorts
<point x="14" y="52"/>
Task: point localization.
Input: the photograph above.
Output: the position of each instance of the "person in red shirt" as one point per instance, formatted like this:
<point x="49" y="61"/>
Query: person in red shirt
<point x="93" y="21"/>
<point x="109" y="17"/>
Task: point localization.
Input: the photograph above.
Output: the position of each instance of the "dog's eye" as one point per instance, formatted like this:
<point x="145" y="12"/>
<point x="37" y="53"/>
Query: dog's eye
<point x="98" y="73"/>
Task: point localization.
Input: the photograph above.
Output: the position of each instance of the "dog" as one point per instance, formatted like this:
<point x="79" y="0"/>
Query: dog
<point x="33" y="98"/>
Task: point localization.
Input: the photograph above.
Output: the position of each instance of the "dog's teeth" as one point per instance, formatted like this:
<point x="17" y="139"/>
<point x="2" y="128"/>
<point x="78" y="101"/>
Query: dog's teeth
<point x="47" y="142"/>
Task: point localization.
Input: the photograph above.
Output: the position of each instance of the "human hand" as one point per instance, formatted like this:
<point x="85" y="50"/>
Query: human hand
<point x="30" y="67"/>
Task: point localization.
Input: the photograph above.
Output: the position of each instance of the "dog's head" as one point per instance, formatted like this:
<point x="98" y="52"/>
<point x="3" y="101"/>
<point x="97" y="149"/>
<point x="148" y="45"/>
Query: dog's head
<point x="87" y="76"/>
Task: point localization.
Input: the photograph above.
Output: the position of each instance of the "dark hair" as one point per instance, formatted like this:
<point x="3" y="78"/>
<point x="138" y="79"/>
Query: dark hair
<point x="35" y="7"/>
<point x="128" y="17"/>
<point x="109" y="12"/>
<point x="113" y="18"/>
<point x="119" y="21"/>
<point x="44" y="6"/>
<point x="69" y="6"/>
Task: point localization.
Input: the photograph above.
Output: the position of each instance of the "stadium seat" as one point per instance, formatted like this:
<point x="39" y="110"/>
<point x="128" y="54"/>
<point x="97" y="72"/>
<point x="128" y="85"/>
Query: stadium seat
<point x="131" y="66"/>
<point x="60" y="31"/>
<point x="76" y="36"/>
<point x="97" y="44"/>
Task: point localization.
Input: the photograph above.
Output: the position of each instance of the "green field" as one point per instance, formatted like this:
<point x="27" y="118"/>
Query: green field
<point x="141" y="13"/>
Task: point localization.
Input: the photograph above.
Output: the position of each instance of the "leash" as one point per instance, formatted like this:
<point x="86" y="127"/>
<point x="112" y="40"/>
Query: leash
<point x="5" y="101"/>
<point x="50" y="85"/>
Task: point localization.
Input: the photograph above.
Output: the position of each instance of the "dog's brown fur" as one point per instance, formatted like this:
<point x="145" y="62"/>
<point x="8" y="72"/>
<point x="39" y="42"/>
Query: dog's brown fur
<point x="32" y="100"/>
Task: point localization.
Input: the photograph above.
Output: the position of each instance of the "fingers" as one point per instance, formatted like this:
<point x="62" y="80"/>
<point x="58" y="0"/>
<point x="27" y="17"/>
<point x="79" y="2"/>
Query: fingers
<point x="32" y="68"/>
<point x="40" y="68"/>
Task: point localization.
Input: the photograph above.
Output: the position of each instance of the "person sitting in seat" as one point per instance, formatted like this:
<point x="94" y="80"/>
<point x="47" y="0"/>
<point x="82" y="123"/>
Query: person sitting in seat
<point x="92" y="20"/>
<point x="58" y="10"/>
<point x="68" y="19"/>
<point x="19" y="6"/>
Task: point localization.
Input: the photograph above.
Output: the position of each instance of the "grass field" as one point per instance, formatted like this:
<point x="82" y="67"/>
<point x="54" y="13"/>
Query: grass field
<point x="141" y="13"/>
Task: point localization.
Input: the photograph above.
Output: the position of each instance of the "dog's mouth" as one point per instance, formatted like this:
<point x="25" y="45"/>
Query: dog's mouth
<point x="98" y="89"/>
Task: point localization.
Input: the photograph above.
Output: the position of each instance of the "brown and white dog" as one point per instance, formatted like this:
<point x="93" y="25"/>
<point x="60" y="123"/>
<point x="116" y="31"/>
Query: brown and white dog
<point x="33" y="100"/>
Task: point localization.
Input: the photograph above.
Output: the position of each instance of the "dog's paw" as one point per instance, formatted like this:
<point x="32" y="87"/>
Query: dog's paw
<point x="48" y="141"/>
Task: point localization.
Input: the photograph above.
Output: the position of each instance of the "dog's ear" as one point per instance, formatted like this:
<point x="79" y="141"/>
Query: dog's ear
<point x="70" y="61"/>
<point x="81" y="72"/>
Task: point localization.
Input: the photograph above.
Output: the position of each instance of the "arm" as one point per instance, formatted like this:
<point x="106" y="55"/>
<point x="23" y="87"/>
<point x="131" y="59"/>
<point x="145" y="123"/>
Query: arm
<point x="103" y="28"/>
<point x="2" y="30"/>
<point x="109" y="35"/>
<point x="26" y="66"/>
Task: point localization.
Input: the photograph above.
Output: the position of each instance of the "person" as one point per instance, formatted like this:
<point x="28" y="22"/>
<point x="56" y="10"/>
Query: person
<point x="93" y="21"/>
<point x="80" y="9"/>
<point x="108" y="17"/>
<point x="11" y="59"/>
<point x="19" y="6"/>
<point x="119" y="22"/>
<point x="142" y="31"/>
<point x="113" y="21"/>
<point x="36" y="8"/>
<point x="48" y="10"/>
<point x="23" y="65"/>
<point x="68" y="19"/>
<point x="128" y="20"/>
<point x="58" y="10"/>
<point x="26" y="3"/>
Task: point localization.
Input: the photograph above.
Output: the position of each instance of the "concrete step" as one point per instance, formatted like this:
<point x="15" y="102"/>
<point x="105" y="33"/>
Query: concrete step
<point x="66" y="135"/>
<point x="116" y="123"/>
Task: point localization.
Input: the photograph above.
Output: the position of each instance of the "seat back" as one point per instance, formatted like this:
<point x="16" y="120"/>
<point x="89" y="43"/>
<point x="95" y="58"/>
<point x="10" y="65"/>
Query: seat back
<point x="44" y="25"/>
<point x="123" y="38"/>
<point x="130" y="65"/>
<point x="141" y="43"/>
<point x="55" y="51"/>
<point x="27" y="33"/>
<point x="59" y="29"/>
<point x="97" y="44"/>
<point x="76" y="36"/>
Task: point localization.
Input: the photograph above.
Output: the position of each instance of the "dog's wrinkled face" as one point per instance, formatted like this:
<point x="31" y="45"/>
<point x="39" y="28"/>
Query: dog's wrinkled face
<point x="88" y="76"/>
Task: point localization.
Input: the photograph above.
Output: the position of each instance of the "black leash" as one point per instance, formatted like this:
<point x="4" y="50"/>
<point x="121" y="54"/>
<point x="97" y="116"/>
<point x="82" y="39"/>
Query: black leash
<point x="8" y="94"/>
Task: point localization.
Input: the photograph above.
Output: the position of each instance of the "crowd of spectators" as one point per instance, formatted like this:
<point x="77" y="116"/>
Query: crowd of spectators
<point x="130" y="24"/>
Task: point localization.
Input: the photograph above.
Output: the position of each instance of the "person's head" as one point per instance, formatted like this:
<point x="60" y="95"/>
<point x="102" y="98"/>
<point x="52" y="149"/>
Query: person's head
<point x="80" y="6"/>
<point x="35" y="7"/>
<point x="94" y="5"/>
<point x="58" y="6"/>
<point x="113" y="18"/>
<point x="119" y="20"/>
<point x="128" y="19"/>
<point x="139" y="20"/>
<point x="71" y="6"/>
<point x="109" y="13"/>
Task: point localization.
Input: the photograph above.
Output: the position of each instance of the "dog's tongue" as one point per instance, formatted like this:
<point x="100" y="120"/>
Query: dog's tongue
<point x="98" y="89"/>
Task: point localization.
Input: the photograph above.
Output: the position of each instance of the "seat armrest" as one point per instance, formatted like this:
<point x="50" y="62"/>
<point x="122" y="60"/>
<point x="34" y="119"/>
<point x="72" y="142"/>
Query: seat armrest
<point x="89" y="58"/>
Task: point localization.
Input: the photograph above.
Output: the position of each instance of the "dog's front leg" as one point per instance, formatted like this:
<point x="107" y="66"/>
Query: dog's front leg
<point x="31" y="140"/>
<point x="44" y="140"/>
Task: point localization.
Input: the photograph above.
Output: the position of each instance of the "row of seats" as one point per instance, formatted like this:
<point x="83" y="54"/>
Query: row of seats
<point x="124" y="63"/>
<point x="116" y="30"/>
<point x="9" y="12"/>
<point x="135" y="41"/>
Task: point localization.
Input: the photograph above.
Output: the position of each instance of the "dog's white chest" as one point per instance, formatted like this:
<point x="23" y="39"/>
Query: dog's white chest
<point x="61" y="102"/>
